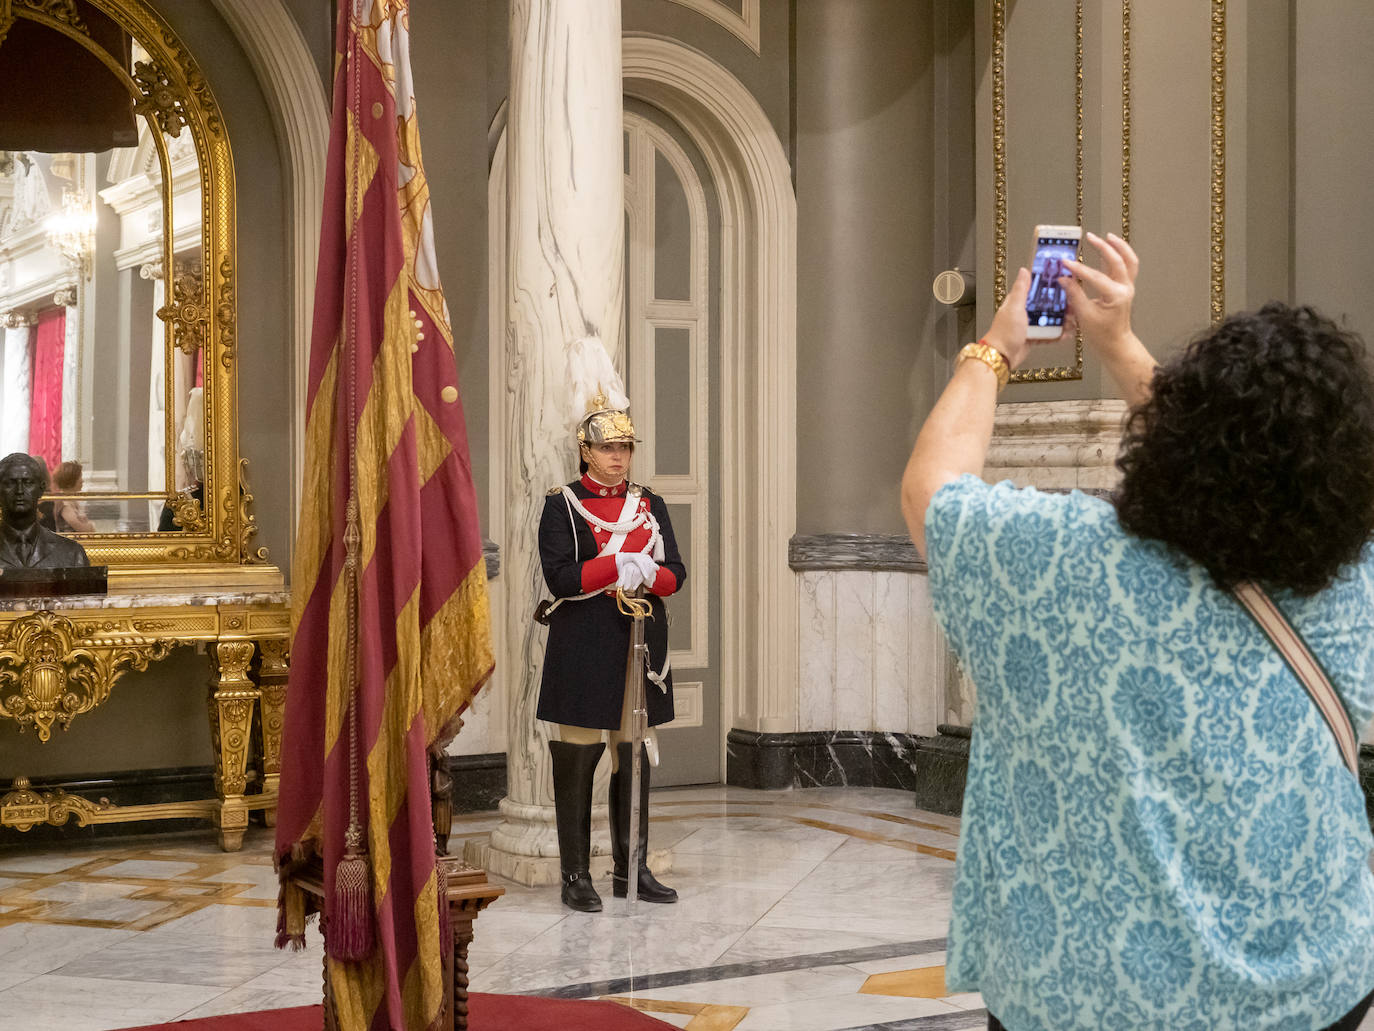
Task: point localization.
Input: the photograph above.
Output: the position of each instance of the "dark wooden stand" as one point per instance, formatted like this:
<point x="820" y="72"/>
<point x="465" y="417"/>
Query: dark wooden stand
<point x="469" y="892"/>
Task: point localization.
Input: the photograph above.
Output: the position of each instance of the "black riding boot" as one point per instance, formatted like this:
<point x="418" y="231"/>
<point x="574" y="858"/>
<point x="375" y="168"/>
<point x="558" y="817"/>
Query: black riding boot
<point x="573" y="769"/>
<point x="650" y="890"/>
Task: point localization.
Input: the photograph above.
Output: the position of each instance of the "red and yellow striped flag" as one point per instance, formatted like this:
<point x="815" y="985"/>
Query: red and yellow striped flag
<point x="409" y="640"/>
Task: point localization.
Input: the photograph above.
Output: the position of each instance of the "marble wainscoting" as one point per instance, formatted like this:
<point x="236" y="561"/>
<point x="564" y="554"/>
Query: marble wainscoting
<point x="1056" y="444"/>
<point x="876" y="679"/>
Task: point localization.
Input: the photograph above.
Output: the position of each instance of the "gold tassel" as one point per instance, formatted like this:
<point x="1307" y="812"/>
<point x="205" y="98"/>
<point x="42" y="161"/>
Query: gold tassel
<point x="352" y="924"/>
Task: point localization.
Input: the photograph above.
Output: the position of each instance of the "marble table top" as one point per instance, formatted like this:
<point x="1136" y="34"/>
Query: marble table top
<point x="191" y="598"/>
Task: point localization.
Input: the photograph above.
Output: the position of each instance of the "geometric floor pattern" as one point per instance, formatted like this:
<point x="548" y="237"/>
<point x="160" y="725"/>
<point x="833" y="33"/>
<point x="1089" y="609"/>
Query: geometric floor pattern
<point x="809" y="910"/>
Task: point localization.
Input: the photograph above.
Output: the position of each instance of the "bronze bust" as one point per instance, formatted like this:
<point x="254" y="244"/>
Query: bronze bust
<point x="24" y="542"/>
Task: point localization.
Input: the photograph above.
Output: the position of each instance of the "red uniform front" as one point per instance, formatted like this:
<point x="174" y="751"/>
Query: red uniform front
<point x="607" y="505"/>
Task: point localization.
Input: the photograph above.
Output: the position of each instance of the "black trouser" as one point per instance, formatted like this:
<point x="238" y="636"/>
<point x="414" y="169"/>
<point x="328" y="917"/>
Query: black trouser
<point x="1349" y="1022"/>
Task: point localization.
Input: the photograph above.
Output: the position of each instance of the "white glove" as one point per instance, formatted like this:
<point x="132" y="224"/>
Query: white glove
<point x="648" y="568"/>
<point x="629" y="573"/>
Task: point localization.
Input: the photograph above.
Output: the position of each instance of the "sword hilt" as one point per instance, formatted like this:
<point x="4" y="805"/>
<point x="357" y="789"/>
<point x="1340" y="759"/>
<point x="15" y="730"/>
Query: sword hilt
<point x="633" y="606"/>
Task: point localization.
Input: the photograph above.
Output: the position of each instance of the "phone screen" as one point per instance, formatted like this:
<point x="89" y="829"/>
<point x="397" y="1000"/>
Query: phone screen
<point x="1046" y="304"/>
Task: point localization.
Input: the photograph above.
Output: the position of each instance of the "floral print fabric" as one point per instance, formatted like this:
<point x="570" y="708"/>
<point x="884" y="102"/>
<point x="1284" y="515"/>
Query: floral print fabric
<point x="1158" y="830"/>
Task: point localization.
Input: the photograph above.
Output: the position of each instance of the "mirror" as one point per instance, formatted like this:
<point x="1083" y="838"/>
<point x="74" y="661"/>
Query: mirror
<point x="117" y="283"/>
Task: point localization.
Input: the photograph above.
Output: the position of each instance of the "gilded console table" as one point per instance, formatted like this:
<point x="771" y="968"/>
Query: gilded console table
<point x="60" y="658"/>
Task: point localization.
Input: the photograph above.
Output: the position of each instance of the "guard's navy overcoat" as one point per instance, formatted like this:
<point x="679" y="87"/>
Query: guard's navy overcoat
<point x="584" y="665"/>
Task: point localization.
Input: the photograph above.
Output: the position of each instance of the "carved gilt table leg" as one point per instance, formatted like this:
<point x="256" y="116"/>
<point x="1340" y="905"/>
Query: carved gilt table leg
<point x="272" y="677"/>
<point x="231" y="719"/>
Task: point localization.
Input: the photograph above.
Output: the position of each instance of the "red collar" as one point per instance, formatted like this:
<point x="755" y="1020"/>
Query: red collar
<point x="600" y="490"/>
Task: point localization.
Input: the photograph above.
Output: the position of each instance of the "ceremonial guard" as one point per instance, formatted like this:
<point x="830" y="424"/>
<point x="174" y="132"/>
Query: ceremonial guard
<point x="599" y="533"/>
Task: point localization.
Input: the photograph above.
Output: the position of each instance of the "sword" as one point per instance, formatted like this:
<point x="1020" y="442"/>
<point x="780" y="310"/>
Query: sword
<point x="636" y="662"/>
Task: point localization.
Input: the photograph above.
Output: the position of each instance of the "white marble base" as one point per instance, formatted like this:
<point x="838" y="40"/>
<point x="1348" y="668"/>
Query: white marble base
<point x="870" y="656"/>
<point x="533" y="871"/>
<point x="524" y="847"/>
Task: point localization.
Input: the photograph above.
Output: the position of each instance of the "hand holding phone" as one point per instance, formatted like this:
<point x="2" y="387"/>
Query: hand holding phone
<point x="1047" y="303"/>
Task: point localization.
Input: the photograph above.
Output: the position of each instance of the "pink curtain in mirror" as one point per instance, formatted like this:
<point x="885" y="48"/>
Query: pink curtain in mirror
<point x="45" y="412"/>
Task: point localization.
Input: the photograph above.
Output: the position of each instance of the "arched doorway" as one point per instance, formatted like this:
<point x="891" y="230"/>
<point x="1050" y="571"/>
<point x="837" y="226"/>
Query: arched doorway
<point x="745" y="166"/>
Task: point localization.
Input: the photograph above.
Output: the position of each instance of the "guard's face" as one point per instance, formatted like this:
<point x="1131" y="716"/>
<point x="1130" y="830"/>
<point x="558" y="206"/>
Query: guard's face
<point x="20" y="490"/>
<point x="608" y="463"/>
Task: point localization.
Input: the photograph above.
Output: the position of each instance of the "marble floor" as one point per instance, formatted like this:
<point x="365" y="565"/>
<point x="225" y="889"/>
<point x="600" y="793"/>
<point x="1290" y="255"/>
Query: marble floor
<point x="808" y="910"/>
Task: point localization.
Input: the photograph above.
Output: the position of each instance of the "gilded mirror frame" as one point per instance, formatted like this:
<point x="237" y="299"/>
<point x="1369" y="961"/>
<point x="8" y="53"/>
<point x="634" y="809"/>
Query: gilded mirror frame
<point x="1049" y="373"/>
<point x="201" y="310"/>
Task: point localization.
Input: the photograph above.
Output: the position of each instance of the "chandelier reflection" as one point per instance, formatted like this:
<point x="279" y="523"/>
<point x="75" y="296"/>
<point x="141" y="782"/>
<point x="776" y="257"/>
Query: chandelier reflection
<point x="71" y="231"/>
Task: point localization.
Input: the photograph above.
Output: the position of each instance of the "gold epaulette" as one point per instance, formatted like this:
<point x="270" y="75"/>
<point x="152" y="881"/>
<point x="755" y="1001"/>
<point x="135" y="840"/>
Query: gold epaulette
<point x="552" y="491"/>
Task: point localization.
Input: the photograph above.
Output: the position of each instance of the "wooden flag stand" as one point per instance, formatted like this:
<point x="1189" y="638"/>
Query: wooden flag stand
<point x="469" y="892"/>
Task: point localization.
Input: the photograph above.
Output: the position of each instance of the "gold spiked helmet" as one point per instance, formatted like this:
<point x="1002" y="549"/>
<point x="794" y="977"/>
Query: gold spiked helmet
<point x="604" y="424"/>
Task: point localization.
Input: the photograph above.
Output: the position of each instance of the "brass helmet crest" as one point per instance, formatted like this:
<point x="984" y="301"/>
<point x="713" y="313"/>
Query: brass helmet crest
<point x="604" y="424"/>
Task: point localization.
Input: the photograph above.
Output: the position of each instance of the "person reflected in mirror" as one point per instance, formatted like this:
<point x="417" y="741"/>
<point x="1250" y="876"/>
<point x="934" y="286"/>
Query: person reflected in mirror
<point x="68" y="513"/>
<point x="24" y="542"/>
<point x="47" y="512"/>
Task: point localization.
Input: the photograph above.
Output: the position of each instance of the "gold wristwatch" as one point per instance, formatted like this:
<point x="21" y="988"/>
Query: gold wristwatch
<point x="989" y="356"/>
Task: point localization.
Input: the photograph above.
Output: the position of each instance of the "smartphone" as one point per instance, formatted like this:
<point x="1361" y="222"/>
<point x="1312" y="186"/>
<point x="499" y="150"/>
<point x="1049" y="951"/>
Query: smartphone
<point x="1046" y="303"/>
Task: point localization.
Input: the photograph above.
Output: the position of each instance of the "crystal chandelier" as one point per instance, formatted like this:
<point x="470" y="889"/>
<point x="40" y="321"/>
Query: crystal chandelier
<point x="71" y="231"/>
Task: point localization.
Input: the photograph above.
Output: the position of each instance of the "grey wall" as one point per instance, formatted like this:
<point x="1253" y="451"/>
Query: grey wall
<point x="449" y="50"/>
<point x="865" y="164"/>
<point x="316" y="21"/>
<point x="1333" y="232"/>
<point x="264" y="346"/>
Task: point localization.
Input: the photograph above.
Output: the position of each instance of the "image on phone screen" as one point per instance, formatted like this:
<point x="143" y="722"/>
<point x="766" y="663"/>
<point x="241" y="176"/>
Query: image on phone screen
<point x="1047" y="303"/>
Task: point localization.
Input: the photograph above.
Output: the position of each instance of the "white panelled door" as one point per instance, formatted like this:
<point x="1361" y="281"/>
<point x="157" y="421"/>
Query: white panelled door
<point x="669" y="363"/>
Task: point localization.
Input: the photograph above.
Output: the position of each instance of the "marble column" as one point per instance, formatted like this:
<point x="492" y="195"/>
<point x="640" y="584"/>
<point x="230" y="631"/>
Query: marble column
<point x="565" y="269"/>
<point x="71" y="366"/>
<point x="18" y="385"/>
<point x="157" y="394"/>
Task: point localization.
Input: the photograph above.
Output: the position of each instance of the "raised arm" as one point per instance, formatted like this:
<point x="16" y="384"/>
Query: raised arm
<point x="956" y="434"/>
<point x="1104" y="315"/>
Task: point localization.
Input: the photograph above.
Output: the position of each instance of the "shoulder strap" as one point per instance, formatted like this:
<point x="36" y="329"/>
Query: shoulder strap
<point x="572" y="524"/>
<point x="1304" y="666"/>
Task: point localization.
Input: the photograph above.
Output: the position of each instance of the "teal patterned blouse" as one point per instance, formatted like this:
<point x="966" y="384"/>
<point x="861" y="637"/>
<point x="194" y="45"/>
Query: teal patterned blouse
<point x="1158" y="830"/>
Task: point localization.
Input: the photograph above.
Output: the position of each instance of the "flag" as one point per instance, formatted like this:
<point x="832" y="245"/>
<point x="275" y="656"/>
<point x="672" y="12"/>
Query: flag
<point x="386" y="653"/>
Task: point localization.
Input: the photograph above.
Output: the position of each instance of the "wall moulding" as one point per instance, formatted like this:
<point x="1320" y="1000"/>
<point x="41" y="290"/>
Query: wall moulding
<point x="743" y="24"/>
<point x="1056" y="445"/>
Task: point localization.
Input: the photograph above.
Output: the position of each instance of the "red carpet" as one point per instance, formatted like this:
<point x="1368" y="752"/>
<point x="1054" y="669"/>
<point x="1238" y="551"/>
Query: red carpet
<point x="485" y="1013"/>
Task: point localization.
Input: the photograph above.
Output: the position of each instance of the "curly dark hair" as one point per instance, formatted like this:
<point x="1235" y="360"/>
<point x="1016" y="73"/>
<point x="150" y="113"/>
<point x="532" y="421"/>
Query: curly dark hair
<point x="1254" y="455"/>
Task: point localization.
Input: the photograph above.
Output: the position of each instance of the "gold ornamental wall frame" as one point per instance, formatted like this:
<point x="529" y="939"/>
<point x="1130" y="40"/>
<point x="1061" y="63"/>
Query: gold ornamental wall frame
<point x="1053" y="373"/>
<point x="170" y="92"/>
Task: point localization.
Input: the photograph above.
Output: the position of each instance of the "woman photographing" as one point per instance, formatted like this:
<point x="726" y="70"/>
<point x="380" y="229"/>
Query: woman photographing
<point x="1160" y="826"/>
